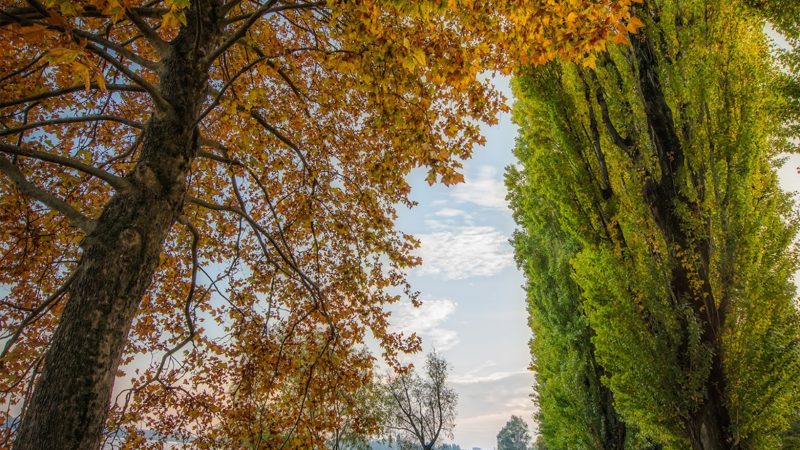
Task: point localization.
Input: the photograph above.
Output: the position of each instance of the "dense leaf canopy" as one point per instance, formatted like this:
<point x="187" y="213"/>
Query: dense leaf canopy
<point x="656" y="241"/>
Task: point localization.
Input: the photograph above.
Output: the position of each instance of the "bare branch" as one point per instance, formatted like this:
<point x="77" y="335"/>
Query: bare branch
<point x="75" y="218"/>
<point x="70" y="90"/>
<point x="187" y="305"/>
<point x="116" y="182"/>
<point x="228" y="6"/>
<point x="222" y="159"/>
<point x="148" y="32"/>
<point x="225" y="87"/>
<point x="121" y="50"/>
<point x="266" y="8"/>
<point x="152" y="90"/>
<point x="241" y="31"/>
<point x="277" y="133"/>
<point x="23" y="68"/>
<point x="65" y="120"/>
<point x="36" y="312"/>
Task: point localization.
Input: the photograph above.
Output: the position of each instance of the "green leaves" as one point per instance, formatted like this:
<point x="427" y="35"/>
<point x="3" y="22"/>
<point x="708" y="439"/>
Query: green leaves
<point x="618" y="282"/>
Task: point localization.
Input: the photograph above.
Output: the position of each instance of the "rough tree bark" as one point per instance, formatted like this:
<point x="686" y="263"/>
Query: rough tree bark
<point x="70" y="402"/>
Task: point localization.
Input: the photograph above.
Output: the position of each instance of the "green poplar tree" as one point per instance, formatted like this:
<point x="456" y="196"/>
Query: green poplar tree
<point x="656" y="241"/>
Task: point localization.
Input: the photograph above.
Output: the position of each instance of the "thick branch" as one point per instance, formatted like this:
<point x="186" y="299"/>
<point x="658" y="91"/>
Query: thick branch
<point x="152" y="90"/>
<point x="29" y="14"/>
<point x="75" y="218"/>
<point x="70" y="90"/>
<point x="152" y="37"/>
<point x="65" y="120"/>
<point x="118" y="49"/>
<point x="116" y="182"/>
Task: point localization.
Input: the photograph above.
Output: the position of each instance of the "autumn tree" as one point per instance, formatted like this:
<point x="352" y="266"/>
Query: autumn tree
<point x="420" y="410"/>
<point x="514" y="435"/>
<point x="197" y="192"/>
<point x="653" y="231"/>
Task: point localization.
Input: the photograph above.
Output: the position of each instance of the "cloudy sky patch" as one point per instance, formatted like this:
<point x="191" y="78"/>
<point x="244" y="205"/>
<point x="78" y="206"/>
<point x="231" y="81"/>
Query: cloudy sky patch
<point x="476" y="316"/>
<point x="427" y="321"/>
<point x="486" y="189"/>
<point x="464" y="252"/>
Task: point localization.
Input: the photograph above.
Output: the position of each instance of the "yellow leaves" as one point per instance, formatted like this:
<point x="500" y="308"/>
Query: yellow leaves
<point x="452" y="178"/>
<point x="74" y="60"/>
<point x="571" y="18"/>
<point x="173" y="19"/>
<point x="101" y="81"/>
<point x="65" y="7"/>
<point x="380" y="89"/>
<point x="175" y="16"/>
<point x="81" y="72"/>
<point x="590" y="61"/>
<point x="620" y="37"/>
<point x="416" y="58"/>
<point x="62" y="55"/>
<point x="115" y="10"/>
<point x="633" y="25"/>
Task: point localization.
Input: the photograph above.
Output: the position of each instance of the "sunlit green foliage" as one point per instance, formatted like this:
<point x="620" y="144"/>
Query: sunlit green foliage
<point x="605" y="272"/>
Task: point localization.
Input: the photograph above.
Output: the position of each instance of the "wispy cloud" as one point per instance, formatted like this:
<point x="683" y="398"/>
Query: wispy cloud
<point x="427" y="321"/>
<point x="464" y="252"/>
<point x="451" y="212"/>
<point x="472" y="378"/>
<point x="486" y="190"/>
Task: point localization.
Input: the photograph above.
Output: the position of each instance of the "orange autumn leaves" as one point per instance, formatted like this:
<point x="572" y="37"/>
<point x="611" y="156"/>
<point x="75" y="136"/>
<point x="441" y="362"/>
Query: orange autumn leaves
<point x="315" y="115"/>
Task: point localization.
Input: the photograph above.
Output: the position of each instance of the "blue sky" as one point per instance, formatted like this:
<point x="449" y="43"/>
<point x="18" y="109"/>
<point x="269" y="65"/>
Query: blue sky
<point x="474" y="308"/>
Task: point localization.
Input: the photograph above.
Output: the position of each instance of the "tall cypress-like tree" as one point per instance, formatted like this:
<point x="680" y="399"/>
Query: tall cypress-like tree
<point x="655" y="238"/>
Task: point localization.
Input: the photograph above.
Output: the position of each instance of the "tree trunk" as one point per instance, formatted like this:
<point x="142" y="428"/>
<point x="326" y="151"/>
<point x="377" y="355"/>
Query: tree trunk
<point x="69" y="405"/>
<point x="615" y="430"/>
<point x="708" y="426"/>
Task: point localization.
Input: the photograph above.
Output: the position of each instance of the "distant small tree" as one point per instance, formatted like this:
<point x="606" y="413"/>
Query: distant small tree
<point x="420" y="410"/>
<point x="514" y="435"/>
<point x="449" y="447"/>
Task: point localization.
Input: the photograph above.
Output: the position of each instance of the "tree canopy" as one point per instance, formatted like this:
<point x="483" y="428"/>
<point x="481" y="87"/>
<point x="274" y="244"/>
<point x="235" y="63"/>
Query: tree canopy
<point x="514" y="435"/>
<point x="657" y="244"/>
<point x="419" y="411"/>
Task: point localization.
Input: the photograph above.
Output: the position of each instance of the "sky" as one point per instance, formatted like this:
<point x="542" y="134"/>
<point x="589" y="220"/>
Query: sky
<point x="474" y="304"/>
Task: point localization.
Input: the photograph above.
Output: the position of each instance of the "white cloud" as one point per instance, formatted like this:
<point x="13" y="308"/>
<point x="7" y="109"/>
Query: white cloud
<point x="427" y="322"/>
<point x="450" y="212"/>
<point x="487" y="190"/>
<point x="472" y="378"/>
<point x="464" y="252"/>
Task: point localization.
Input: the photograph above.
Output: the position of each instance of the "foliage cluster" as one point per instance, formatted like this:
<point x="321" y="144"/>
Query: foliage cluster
<point x="657" y="244"/>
